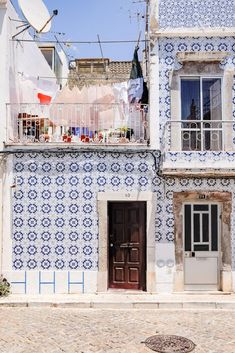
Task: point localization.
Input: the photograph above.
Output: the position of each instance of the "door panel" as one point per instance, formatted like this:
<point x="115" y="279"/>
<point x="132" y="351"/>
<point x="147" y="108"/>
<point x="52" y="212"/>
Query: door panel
<point x="127" y="224"/>
<point x="201" y="239"/>
<point x="201" y="270"/>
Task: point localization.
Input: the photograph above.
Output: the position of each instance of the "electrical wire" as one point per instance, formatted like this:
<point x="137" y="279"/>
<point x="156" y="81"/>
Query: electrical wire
<point x="71" y="78"/>
<point x="79" y="42"/>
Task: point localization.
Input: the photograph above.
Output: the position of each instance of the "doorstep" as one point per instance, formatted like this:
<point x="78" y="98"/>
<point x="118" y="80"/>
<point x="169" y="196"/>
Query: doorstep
<point x="123" y="301"/>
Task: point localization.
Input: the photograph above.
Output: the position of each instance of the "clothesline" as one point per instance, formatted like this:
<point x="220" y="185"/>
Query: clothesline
<point x="109" y="78"/>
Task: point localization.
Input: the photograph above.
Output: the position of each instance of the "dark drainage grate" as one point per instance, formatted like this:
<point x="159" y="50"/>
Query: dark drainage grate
<point x="169" y="344"/>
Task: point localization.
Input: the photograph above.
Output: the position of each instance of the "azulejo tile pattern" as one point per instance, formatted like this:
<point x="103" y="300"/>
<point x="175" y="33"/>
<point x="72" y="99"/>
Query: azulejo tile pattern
<point x="55" y="226"/>
<point x="196" y="13"/>
<point x="202" y="156"/>
<point x="168" y="48"/>
<point x="55" y="221"/>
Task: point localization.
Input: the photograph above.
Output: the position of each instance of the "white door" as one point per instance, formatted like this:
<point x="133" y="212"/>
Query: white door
<point x="201" y="246"/>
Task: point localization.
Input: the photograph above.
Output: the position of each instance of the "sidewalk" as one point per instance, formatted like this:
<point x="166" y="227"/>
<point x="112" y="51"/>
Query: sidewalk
<point x="124" y="301"/>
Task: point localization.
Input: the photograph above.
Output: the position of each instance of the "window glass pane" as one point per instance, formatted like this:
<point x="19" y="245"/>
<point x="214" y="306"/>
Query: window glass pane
<point x="214" y="227"/>
<point x="212" y="106"/>
<point x="200" y="208"/>
<point x="48" y="54"/>
<point x="205" y="227"/>
<point x="201" y="247"/>
<point x="196" y="228"/>
<point x="190" y="98"/>
<point x="212" y="110"/>
<point x="187" y="227"/>
<point x="190" y="110"/>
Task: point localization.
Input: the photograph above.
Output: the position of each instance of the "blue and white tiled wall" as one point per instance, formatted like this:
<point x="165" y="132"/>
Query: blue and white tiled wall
<point x="196" y="13"/>
<point x="168" y="48"/>
<point x="54" y="205"/>
<point x="55" y="221"/>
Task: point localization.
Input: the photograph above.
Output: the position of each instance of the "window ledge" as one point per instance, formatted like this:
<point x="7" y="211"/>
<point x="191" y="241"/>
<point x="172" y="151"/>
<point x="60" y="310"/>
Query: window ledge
<point x="69" y="147"/>
<point x="214" y="56"/>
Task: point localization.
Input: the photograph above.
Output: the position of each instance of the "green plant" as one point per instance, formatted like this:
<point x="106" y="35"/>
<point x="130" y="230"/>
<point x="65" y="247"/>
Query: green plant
<point x="4" y="287"/>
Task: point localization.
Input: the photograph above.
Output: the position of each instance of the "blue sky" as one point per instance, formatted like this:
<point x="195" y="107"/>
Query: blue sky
<point x="84" y="19"/>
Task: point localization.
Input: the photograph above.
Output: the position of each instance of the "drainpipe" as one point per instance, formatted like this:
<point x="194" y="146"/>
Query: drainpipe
<point x="154" y="87"/>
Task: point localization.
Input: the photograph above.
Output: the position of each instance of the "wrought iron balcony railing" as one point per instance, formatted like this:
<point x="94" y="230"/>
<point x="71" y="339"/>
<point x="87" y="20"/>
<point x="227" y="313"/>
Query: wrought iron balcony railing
<point x="77" y="123"/>
<point x="199" y="135"/>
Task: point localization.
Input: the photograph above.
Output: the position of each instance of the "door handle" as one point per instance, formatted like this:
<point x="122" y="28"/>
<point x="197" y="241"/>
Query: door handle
<point x="131" y="245"/>
<point x="111" y="245"/>
<point x="125" y="245"/>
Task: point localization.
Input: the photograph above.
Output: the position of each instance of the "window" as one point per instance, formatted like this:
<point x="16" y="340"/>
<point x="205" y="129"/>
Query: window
<point x="48" y="53"/>
<point x="201" y="227"/>
<point x="201" y="113"/>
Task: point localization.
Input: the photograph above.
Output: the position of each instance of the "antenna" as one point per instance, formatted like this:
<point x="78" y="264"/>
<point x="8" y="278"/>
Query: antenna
<point x="36" y="16"/>
<point x="102" y="55"/>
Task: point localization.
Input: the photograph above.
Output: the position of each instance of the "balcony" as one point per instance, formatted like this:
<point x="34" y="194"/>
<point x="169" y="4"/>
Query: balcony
<point x="194" y="145"/>
<point x="77" y="124"/>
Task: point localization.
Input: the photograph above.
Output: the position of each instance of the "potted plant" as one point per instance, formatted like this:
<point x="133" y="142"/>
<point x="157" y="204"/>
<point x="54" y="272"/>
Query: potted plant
<point x="69" y="136"/>
<point x="4" y="286"/>
<point x="46" y="135"/>
<point x="123" y="132"/>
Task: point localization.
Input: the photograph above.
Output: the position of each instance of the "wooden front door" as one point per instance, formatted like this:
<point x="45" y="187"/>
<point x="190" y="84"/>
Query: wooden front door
<point x="127" y="245"/>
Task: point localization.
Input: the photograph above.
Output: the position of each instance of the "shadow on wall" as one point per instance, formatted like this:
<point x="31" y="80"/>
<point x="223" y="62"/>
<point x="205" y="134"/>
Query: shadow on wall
<point x="2" y="15"/>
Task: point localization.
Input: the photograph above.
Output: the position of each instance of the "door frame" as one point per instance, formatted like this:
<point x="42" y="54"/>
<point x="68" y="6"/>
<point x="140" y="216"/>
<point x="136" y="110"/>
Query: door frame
<point x="204" y="202"/>
<point x="102" y="205"/>
<point x="225" y="200"/>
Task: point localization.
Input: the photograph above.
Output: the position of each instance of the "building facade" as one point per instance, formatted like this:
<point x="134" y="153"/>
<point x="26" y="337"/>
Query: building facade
<point x="112" y="212"/>
<point x="193" y="55"/>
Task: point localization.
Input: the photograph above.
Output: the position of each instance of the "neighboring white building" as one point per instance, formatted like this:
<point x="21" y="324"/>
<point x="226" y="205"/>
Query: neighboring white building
<point x="57" y="60"/>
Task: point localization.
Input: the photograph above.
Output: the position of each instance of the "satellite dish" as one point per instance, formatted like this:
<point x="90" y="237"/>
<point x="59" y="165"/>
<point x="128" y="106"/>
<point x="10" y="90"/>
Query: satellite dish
<point x="36" y="15"/>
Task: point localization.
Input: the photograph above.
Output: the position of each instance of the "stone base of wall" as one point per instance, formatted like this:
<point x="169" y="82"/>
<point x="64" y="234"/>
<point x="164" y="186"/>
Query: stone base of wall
<point x="52" y="282"/>
<point x="78" y="282"/>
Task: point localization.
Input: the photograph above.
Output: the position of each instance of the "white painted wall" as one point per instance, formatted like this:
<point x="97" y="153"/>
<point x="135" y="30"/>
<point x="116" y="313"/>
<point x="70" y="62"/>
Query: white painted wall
<point x="65" y="67"/>
<point x="15" y="57"/>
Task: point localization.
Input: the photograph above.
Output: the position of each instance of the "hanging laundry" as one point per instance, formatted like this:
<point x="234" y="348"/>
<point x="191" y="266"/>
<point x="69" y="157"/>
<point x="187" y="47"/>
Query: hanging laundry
<point x="135" y="84"/>
<point x="137" y="88"/>
<point x="46" y="90"/>
<point x="34" y="89"/>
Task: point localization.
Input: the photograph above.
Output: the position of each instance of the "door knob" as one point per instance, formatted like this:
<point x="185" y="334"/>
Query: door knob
<point x="111" y="245"/>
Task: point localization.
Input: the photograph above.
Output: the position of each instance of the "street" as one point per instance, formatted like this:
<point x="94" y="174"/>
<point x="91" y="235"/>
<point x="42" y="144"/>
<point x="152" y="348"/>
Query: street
<point x="71" y="330"/>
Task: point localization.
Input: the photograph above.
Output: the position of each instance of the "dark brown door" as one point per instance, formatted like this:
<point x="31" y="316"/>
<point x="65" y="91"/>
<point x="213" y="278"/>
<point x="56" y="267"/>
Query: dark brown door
<point x="127" y="250"/>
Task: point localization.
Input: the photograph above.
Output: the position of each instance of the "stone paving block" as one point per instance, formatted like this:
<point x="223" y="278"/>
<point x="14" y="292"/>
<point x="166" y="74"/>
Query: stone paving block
<point x="224" y="305"/>
<point x="199" y="305"/>
<point x="101" y="305"/>
<point x="169" y="305"/>
<point x="146" y="306"/>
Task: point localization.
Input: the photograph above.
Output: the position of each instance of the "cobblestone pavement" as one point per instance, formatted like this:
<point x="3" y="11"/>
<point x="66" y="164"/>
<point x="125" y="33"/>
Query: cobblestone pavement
<point x="71" y="330"/>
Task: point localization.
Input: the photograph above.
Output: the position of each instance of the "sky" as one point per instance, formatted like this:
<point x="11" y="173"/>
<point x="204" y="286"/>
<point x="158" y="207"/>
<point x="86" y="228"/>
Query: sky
<point x="82" y="20"/>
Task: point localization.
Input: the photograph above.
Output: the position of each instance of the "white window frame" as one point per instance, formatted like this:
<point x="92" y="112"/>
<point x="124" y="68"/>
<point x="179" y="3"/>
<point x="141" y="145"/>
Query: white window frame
<point x="209" y="204"/>
<point x="201" y="77"/>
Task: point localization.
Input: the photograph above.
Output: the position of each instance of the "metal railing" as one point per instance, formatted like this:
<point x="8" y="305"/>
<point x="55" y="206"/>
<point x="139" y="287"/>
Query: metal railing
<point x="77" y="123"/>
<point x="198" y="135"/>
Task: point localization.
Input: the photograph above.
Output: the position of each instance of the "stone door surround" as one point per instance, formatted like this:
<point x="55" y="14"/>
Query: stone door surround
<point x="225" y="200"/>
<point x="102" y="199"/>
